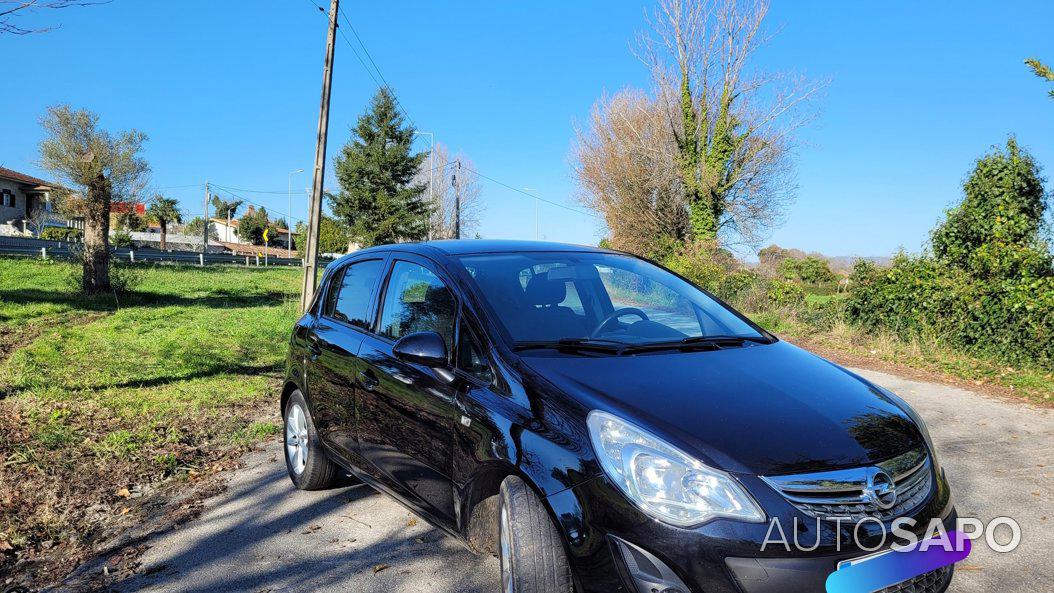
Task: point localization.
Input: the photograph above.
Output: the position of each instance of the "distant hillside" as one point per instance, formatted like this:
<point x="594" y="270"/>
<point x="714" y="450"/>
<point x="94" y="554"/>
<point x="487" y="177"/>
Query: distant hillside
<point x="770" y="257"/>
<point x="844" y="263"/>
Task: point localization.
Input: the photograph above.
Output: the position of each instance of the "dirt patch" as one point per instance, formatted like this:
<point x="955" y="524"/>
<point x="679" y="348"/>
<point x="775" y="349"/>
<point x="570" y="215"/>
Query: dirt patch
<point x="79" y="518"/>
<point x="118" y="558"/>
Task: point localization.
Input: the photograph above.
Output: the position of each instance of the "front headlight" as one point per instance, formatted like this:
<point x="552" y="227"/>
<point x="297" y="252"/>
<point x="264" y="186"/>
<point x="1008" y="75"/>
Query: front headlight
<point x="663" y="481"/>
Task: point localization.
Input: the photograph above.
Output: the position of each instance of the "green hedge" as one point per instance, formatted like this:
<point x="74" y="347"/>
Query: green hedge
<point x="1011" y="319"/>
<point x="60" y="234"/>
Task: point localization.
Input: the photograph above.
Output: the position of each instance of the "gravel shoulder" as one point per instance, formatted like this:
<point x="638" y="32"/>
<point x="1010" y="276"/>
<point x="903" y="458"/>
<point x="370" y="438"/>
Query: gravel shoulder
<point x="261" y="535"/>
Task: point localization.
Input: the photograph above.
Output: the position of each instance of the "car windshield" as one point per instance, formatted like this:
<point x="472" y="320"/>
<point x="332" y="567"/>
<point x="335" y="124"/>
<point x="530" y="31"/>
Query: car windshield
<point x="598" y="298"/>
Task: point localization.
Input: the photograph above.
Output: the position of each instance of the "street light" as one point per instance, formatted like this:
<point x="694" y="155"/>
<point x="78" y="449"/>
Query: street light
<point x="289" y="214"/>
<point x="431" y="171"/>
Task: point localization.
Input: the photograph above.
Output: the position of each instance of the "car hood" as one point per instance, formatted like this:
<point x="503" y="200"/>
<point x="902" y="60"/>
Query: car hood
<point x="762" y="409"/>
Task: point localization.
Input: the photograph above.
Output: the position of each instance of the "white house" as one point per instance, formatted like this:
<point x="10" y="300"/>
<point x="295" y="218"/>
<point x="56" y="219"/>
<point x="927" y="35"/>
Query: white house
<point x="25" y="202"/>
<point x="229" y="233"/>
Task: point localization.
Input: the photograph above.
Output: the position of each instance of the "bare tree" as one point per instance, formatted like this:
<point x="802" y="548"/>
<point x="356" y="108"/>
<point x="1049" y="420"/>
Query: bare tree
<point x="443" y="193"/>
<point x="39" y="218"/>
<point x="99" y="167"/>
<point x="624" y="169"/>
<point x="12" y="9"/>
<point x="731" y="125"/>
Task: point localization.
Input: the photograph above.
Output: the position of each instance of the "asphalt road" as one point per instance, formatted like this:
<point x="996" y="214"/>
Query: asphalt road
<point x="262" y="536"/>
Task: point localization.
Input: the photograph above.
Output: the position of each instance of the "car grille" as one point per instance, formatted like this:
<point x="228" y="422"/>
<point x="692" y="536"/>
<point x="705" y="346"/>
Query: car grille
<point x="849" y="494"/>
<point x="931" y="582"/>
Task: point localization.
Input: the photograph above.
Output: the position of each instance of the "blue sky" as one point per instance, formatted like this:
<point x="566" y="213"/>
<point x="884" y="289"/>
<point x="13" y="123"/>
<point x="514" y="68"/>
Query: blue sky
<point x="228" y="92"/>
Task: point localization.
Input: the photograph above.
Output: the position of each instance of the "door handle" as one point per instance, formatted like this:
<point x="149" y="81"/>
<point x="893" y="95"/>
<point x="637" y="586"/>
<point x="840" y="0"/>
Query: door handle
<point x="369" y="380"/>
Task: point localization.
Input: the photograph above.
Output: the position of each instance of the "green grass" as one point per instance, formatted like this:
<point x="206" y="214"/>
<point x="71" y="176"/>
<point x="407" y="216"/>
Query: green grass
<point x="99" y="394"/>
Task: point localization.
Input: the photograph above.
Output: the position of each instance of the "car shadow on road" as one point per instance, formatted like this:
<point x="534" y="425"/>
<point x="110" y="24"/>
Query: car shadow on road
<point x="263" y="535"/>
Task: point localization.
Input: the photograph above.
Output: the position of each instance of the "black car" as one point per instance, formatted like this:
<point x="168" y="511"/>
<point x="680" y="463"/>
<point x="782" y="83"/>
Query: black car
<point x="598" y="422"/>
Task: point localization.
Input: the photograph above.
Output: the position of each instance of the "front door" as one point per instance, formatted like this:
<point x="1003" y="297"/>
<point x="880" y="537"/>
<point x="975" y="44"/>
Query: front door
<point x="406" y="411"/>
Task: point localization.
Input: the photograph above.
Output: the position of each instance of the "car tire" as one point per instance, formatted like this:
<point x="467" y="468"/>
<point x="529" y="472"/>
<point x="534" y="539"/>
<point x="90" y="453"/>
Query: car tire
<point x="529" y="545"/>
<point x="305" y="458"/>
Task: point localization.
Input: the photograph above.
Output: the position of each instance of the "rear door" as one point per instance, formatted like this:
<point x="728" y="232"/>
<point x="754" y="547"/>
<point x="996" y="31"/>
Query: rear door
<point x="406" y="410"/>
<point x="334" y="363"/>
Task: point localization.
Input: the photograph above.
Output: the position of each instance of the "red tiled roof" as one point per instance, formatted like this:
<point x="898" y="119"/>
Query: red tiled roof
<point x="21" y="177"/>
<point x="124" y="207"/>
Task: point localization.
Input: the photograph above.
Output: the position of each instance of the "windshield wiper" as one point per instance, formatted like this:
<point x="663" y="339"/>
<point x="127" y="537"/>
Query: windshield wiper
<point x="727" y="339"/>
<point x="695" y="343"/>
<point x="591" y="344"/>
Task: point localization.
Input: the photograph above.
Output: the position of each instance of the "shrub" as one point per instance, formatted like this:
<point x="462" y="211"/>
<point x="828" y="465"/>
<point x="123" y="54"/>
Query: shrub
<point x="121" y="239"/>
<point x="811" y="270"/>
<point x="61" y="234"/>
<point x="784" y="294"/>
<point x="703" y="263"/>
<point x="822" y="315"/>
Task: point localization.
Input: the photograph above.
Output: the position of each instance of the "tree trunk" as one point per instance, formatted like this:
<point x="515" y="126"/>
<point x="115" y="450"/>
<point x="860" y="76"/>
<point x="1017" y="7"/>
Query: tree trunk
<point x="96" y="276"/>
<point x="164" y="234"/>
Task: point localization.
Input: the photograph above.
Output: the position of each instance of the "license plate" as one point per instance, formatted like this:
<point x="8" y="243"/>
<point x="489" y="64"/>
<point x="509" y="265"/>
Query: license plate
<point x="863" y="559"/>
<point x="869" y="557"/>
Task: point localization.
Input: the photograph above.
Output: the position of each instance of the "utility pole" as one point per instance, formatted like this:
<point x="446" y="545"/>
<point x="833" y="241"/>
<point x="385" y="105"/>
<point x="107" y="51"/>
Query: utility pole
<point x="457" y="201"/>
<point x="314" y="214"/>
<point x="205" y="233"/>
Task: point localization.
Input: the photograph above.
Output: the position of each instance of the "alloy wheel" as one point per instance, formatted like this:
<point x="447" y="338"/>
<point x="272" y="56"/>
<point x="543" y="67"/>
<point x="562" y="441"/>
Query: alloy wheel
<point x="296" y="439"/>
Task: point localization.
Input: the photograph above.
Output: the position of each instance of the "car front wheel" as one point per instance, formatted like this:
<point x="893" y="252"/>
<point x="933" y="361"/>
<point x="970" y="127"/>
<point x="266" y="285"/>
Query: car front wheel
<point x="529" y="546"/>
<point x="306" y="460"/>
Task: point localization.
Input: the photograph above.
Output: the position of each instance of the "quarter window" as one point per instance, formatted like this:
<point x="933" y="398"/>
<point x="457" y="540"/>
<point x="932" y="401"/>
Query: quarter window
<point x="417" y="301"/>
<point x="470" y="357"/>
<point x="350" y="301"/>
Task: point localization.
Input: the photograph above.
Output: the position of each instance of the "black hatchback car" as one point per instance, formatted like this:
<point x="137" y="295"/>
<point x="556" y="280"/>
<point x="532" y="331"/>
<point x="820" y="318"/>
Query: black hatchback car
<point x="598" y="422"/>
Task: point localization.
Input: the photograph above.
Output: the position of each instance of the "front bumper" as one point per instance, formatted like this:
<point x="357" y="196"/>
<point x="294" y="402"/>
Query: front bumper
<point x="721" y="556"/>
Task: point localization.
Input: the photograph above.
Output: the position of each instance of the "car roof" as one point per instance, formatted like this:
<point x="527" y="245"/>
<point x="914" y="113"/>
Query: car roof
<point x="480" y="246"/>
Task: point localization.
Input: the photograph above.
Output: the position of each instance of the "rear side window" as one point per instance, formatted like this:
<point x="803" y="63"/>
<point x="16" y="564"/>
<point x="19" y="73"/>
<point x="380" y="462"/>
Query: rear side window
<point x="417" y="301"/>
<point x="349" y="301"/>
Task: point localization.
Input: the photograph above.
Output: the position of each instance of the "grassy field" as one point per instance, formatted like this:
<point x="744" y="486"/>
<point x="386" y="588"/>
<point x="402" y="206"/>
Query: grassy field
<point x="102" y="399"/>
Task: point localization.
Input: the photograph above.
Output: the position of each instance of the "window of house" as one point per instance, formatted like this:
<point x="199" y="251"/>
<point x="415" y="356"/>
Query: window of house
<point x="350" y="300"/>
<point x="417" y="301"/>
<point x="8" y="198"/>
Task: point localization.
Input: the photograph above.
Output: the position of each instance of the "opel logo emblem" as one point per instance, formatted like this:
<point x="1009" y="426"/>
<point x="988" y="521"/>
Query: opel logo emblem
<point x="881" y="490"/>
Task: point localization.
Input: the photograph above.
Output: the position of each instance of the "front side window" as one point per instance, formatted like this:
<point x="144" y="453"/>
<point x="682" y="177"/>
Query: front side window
<point x="549" y="297"/>
<point x="417" y="301"/>
<point x="349" y="301"/>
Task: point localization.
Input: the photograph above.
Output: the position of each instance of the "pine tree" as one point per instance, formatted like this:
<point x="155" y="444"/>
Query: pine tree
<point x="379" y="201"/>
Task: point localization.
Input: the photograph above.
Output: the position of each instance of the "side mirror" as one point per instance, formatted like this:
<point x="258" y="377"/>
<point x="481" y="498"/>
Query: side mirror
<point x="425" y="348"/>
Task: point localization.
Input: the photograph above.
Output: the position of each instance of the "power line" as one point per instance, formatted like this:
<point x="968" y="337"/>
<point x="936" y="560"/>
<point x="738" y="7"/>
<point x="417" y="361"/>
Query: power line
<point x="518" y="190"/>
<point x="384" y="82"/>
<point x="252" y="191"/>
<point x="288" y="215"/>
<point x="379" y="73"/>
